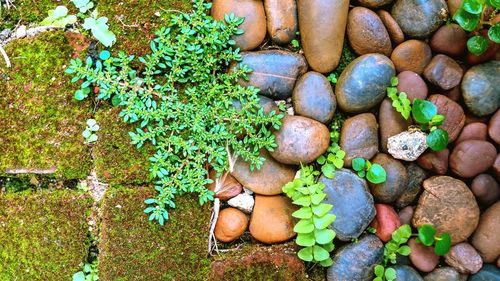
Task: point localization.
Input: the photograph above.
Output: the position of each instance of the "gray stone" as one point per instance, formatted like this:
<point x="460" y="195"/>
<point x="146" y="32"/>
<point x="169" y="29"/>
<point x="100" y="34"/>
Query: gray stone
<point x="406" y="273"/>
<point x="416" y="177"/>
<point x="359" y="137"/>
<point x="352" y="203"/>
<point x="464" y="258"/>
<point x="243" y="201"/>
<point x="480" y="88"/>
<point x="445" y="274"/>
<point x="356" y="261"/>
<point x="408" y="145"/>
<point x="396" y="182"/>
<point x="419" y="18"/>
<point x="489" y="272"/>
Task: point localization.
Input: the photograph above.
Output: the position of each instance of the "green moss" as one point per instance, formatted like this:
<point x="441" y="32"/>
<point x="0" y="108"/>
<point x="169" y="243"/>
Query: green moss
<point x="27" y="11"/>
<point x="43" y="235"/>
<point x="41" y="121"/>
<point x="134" y="22"/>
<point x="132" y="248"/>
<point x="116" y="160"/>
<point x="346" y="58"/>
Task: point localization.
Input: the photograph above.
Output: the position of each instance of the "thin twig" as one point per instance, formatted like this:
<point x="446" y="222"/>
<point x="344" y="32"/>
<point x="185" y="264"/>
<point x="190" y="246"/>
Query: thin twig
<point x="7" y="61"/>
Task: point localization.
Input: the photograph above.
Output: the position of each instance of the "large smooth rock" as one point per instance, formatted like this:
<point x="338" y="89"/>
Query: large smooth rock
<point x="449" y="39"/>
<point x="448" y="205"/>
<point x="445" y="273"/>
<point x="471" y="158"/>
<point x="274" y="71"/>
<point x="352" y="203"/>
<point x="359" y="137"/>
<point x="464" y="258"/>
<point x="322" y="25"/>
<point x="411" y="55"/>
<point x="486" y="239"/>
<point x="282" y="21"/>
<point x="356" y="261"/>
<point x="443" y="72"/>
<point x="396" y="182"/>
<point x="313" y="97"/>
<point x="254" y="24"/>
<point x="454" y="115"/>
<point x="419" y="18"/>
<point x="391" y="122"/>
<point x="395" y="33"/>
<point x="416" y="177"/>
<point x="480" y="88"/>
<point x="489" y="272"/>
<point x="269" y="180"/>
<point x="272" y="220"/>
<point x="366" y="32"/>
<point x="231" y="224"/>
<point x="300" y="140"/>
<point x="406" y="273"/>
<point x="363" y="83"/>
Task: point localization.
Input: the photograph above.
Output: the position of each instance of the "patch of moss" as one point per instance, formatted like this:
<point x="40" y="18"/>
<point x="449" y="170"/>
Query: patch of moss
<point x="132" y="248"/>
<point x="134" y="22"/>
<point x="346" y="58"/>
<point x="41" y="121"/>
<point x="26" y="11"/>
<point x="116" y="160"/>
<point x="43" y="234"/>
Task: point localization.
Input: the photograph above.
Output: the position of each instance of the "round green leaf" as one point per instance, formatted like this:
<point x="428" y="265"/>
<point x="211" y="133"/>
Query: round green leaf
<point x="423" y="111"/>
<point x="306" y="254"/>
<point x="404" y="250"/>
<point x="394" y="81"/>
<point x="472" y="6"/>
<point x="104" y="55"/>
<point x="443" y="245"/>
<point x="328" y="170"/>
<point x="437" y="140"/>
<point x="305" y="239"/>
<point x="304" y="226"/>
<point x="376" y="174"/>
<point x="303" y="213"/>
<point x="358" y="164"/>
<point x="320" y="254"/>
<point x="79" y="276"/>
<point x="324" y="236"/>
<point x="477" y="45"/>
<point x="79" y="95"/>
<point x="494" y="32"/>
<point x="379" y="270"/>
<point x="390" y="274"/>
<point x="467" y="20"/>
<point x="329" y="246"/>
<point x="323" y="222"/>
<point x="495" y="3"/>
<point x="321" y="209"/>
<point x="426" y="234"/>
<point x="326" y="263"/>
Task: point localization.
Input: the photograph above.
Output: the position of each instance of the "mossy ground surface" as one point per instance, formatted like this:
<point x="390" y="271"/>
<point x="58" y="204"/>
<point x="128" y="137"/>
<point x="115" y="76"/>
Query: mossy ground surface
<point x="41" y="121"/>
<point x="132" y="248"/>
<point x="43" y="234"/>
<point x="26" y="11"/>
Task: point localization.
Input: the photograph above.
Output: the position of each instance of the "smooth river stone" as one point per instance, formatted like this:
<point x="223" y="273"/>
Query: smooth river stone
<point x="454" y="115"/>
<point x="395" y="32"/>
<point x="450" y="39"/>
<point x="231" y="224"/>
<point x="363" y="83"/>
<point x="254" y="24"/>
<point x="359" y="138"/>
<point x="406" y="273"/>
<point x="486" y="239"/>
<point x="395" y="184"/>
<point x="356" y="261"/>
<point x="489" y="272"/>
<point x="313" y="97"/>
<point x="480" y="88"/>
<point x="282" y="23"/>
<point x="274" y="71"/>
<point x="352" y="203"/>
<point x="272" y="220"/>
<point x="449" y="205"/>
<point x="300" y="140"/>
<point x="373" y="3"/>
<point x="366" y="32"/>
<point x="269" y="180"/>
<point x="472" y="157"/>
<point x="322" y="25"/>
<point x="391" y="122"/>
<point x="419" y="18"/>
<point x="443" y="72"/>
<point x="412" y="55"/>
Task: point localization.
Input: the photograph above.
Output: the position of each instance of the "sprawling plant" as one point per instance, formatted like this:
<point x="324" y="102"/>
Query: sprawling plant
<point x="184" y="104"/>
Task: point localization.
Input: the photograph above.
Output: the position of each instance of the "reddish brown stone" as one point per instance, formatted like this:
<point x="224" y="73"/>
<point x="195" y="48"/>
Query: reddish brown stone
<point x="486" y="239"/>
<point x="443" y="72"/>
<point x="494" y="127"/>
<point x="406" y="214"/>
<point x="473" y="131"/>
<point x="282" y="22"/>
<point x="229" y="186"/>
<point x="367" y="33"/>
<point x="464" y="258"/>
<point x="454" y="114"/>
<point x="422" y="257"/>
<point x="436" y="161"/>
<point x="271" y="220"/>
<point x="391" y="122"/>
<point x="230" y="225"/>
<point x="454" y="94"/>
<point x="359" y="138"/>
<point x="449" y="39"/>
<point x="472" y="157"/>
<point x="396" y="182"/>
<point x="412" y="55"/>
<point x="413" y="85"/>
<point x="453" y="5"/>
<point x="496" y="167"/>
<point x="386" y="221"/>
<point x="395" y="33"/>
<point x="486" y="189"/>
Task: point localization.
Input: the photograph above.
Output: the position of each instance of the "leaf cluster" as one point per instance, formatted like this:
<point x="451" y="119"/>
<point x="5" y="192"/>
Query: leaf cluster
<point x="183" y="103"/>
<point x="470" y="16"/>
<point x="397" y="245"/>
<point x="399" y="101"/>
<point x="374" y="173"/>
<point x="425" y="113"/>
<point x="89" y="272"/>
<point x="313" y="232"/>
<point x="427" y="236"/>
<point x="90" y="132"/>
<point x="334" y="156"/>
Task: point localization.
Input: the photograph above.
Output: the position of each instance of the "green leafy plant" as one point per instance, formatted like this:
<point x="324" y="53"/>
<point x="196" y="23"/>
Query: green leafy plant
<point x="382" y="273"/>
<point x="332" y="78"/>
<point x="427" y="236"/>
<point x="183" y="103"/>
<point x="397" y="245"/>
<point x="374" y="173"/>
<point x="89" y="133"/>
<point x="399" y="101"/>
<point x="59" y="17"/>
<point x="314" y="218"/>
<point x="100" y="29"/>
<point x="89" y="272"/>
<point x="471" y="17"/>
<point x="334" y="156"/>
<point x="295" y="43"/>
<point x="83" y="5"/>
<point x="425" y="113"/>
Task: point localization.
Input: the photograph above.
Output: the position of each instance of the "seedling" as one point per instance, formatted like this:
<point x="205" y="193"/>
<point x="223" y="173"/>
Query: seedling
<point x="89" y="133"/>
<point x="425" y="113"/>
<point x="374" y="173"/>
<point x="427" y="236"/>
<point x="397" y="245"/>
<point x="89" y="272"/>
<point x="334" y="156"/>
<point x="399" y="101"/>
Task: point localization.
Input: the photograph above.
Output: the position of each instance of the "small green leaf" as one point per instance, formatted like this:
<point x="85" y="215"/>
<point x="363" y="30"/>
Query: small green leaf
<point x="319" y="253"/>
<point x="472" y="6"/>
<point x="379" y="270"/>
<point x="303" y="201"/>
<point x="466" y="20"/>
<point x="426" y="234"/>
<point x="306" y="254"/>
<point x="328" y="170"/>
<point x="303" y="213"/>
<point x="423" y="111"/>
<point x="390" y="274"/>
<point x="437" y="140"/>
<point x="104" y="55"/>
<point x="404" y="250"/>
<point x="495" y="4"/>
<point x="376" y="174"/>
<point x="326" y="263"/>
<point x="321" y="160"/>
<point x="305" y="239"/>
<point x="321" y="209"/>
<point x="362" y="174"/>
<point x="324" y="236"/>
<point x="79" y="95"/>
<point x="304" y="226"/>
<point x="494" y="32"/>
<point x="477" y="45"/>
<point x="443" y="244"/>
<point x="358" y="164"/>
<point x="79" y="276"/>
<point x="329" y="246"/>
<point x="323" y="222"/>
<point x="317" y="198"/>
<point x="394" y="81"/>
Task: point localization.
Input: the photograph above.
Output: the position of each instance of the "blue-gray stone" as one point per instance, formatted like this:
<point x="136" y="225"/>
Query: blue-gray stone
<point x="363" y="83"/>
<point x="419" y="18"/>
<point x="489" y="272"/>
<point x="356" y="261"/>
<point x="352" y="203"/>
<point x="480" y="88"/>
<point x="406" y="273"/>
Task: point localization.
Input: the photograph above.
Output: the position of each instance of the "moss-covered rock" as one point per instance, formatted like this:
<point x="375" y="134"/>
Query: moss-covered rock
<point x="26" y="11"/>
<point x="132" y="248"/>
<point x="116" y="160"/>
<point x="41" y="121"/>
<point x="43" y="235"/>
<point x="134" y="22"/>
